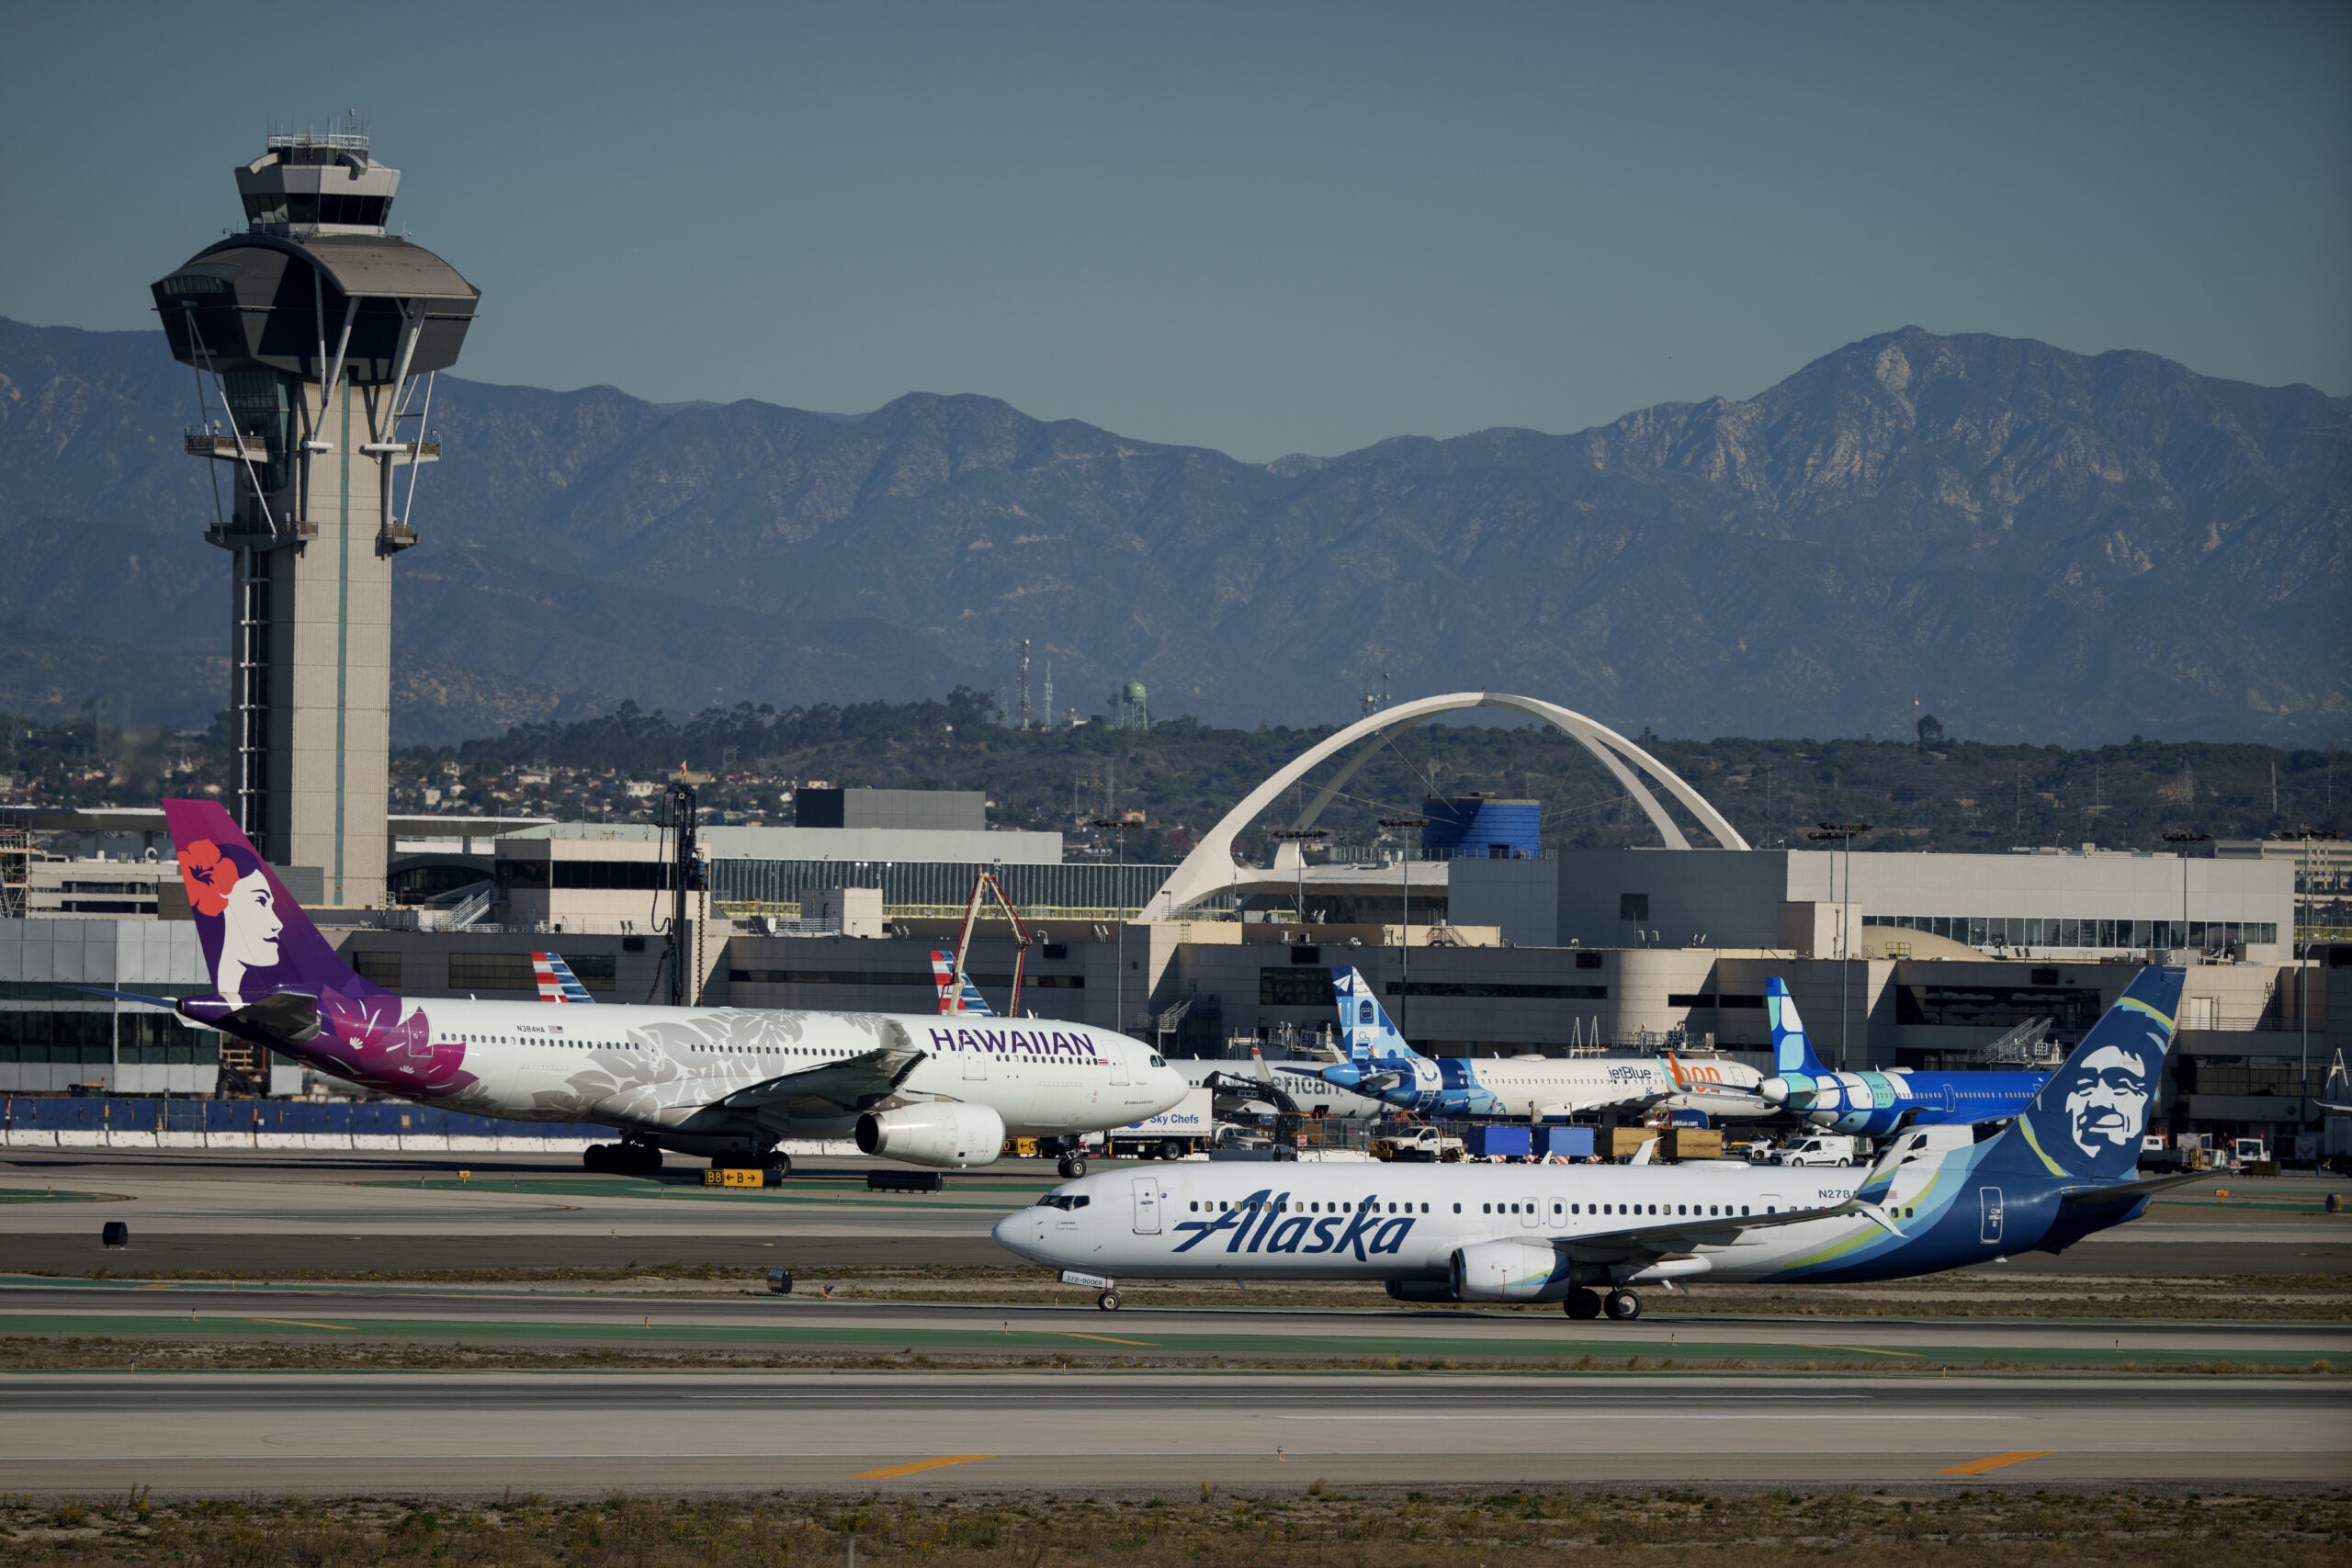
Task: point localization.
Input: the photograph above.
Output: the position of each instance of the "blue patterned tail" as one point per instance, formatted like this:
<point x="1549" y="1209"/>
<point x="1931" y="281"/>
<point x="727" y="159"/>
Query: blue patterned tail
<point x="1365" y="1028"/>
<point x="1792" y="1050"/>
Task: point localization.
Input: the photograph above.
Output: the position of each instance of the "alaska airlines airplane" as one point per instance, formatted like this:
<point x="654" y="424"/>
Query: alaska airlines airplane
<point x="1937" y="1200"/>
<point x="1381" y="1063"/>
<point x="1875" y="1104"/>
<point x="726" y="1083"/>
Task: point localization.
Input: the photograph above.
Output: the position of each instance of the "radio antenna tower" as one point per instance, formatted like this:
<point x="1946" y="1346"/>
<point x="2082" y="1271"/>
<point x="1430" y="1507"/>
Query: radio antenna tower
<point x="1025" y="682"/>
<point x="1049" y="693"/>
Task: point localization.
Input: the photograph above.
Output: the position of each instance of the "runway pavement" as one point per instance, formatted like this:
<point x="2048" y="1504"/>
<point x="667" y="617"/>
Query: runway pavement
<point x="547" y="1320"/>
<point x="473" y="1434"/>
<point x="271" y="1212"/>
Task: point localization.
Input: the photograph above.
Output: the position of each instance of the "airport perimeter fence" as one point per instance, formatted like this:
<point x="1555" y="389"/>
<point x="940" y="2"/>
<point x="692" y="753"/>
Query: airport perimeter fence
<point x="103" y="1123"/>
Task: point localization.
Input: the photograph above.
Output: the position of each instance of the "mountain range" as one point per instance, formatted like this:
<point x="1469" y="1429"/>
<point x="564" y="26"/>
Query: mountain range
<point x="2030" y="544"/>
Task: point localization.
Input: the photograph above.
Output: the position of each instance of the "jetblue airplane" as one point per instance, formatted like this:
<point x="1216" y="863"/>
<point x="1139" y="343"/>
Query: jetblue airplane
<point x="1381" y="1063"/>
<point x="1875" y="1104"/>
<point x="1937" y="1199"/>
<point x="726" y="1083"/>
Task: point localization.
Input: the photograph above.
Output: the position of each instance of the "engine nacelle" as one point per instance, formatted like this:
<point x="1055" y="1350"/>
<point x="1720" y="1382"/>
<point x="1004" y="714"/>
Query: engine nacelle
<point x="1509" y="1271"/>
<point x="947" y="1137"/>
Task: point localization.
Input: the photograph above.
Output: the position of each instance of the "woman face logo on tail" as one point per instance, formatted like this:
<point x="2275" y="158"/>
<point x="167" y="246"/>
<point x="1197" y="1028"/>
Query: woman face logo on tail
<point x="228" y="887"/>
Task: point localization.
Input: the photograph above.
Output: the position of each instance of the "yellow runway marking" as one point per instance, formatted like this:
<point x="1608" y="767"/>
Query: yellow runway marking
<point x="1867" y="1350"/>
<point x="303" y="1323"/>
<point x="1073" y="1333"/>
<point x="894" y="1471"/>
<point x="1995" y="1462"/>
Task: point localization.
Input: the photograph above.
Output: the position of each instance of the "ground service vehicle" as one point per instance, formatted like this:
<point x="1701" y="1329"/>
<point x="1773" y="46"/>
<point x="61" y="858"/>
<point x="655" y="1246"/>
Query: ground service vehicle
<point x="1417" y="1146"/>
<point x="1824" y="1148"/>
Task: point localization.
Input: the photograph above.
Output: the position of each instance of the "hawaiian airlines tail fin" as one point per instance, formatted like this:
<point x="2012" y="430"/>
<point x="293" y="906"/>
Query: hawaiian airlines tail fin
<point x="957" y="995"/>
<point x="256" y="940"/>
<point x="2087" y="1120"/>
<point x="1364" y="1030"/>
<point x="557" y="982"/>
<point x="1792" y="1050"/>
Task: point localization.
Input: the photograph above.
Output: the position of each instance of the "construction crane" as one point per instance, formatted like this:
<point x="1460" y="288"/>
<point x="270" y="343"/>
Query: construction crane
<point x="984" y="881"/>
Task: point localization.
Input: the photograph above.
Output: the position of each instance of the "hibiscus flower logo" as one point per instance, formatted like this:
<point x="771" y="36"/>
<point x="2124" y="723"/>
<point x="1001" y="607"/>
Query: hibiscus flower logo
<point x="208" y="875"/>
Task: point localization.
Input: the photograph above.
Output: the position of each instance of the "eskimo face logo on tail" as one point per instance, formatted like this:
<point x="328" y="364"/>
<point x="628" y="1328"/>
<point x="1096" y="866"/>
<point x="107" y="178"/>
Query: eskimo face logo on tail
<point x="2107" y="1103"/>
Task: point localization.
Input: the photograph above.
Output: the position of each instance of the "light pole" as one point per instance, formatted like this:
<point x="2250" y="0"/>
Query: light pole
<point x="1302" y="837"/>
<point x="1119" y="913"/>
<point x="2307" y="833"/>
<point x="2183" y="838"/>
<point x="1843" y="832"/>
<point x="1405" y="932"/>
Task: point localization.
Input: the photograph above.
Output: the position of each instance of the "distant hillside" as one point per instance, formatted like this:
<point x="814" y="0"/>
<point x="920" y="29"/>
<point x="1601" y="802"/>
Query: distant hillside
<point x="2032" y="543"/>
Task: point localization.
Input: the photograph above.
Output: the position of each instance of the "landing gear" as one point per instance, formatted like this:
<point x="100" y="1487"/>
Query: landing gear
<point x="1073" y="1166"/>
<point x="1623" y="1307"/>
<point x="1582" y="1304"/>
<point x="622" y="1160"/>
<point x="1108" y="1301"/>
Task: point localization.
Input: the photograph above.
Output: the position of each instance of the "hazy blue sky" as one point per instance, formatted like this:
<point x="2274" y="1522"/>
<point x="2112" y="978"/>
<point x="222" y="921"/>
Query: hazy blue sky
<point x="1260" y="228"/>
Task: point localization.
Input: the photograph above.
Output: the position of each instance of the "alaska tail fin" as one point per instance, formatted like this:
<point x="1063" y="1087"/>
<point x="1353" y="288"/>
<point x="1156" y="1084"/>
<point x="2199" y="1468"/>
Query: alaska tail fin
<point x="555" y="981"/>
<point x="1364" y="1030"/>
<point x="1792" y="1049"/>
<point x="257" y="942"/>
<point x="2087" y="1122"/>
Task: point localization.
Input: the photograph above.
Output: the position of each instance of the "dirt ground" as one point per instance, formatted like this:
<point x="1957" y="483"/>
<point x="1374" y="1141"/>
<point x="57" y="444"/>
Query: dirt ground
<point x="1314" y="1521"/>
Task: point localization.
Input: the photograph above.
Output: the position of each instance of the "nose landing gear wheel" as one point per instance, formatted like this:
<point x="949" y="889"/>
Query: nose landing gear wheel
<point x="1108" y="1301"/>
<point x="1073" y="1166"/>
<point x="1623" y="1307"/>
<point x="1582" y="1304"/>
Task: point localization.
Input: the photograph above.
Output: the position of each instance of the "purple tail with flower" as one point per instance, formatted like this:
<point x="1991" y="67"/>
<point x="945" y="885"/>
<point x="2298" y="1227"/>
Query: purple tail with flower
<point x="278" y="982"/>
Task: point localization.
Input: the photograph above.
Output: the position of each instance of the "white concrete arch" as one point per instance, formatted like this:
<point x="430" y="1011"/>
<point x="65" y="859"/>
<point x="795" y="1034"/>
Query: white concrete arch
<point x="1209" y="869"/>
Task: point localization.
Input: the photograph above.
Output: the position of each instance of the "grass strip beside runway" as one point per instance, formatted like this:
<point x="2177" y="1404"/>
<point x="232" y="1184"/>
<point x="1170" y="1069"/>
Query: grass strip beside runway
<point x="1140" y="1344"/>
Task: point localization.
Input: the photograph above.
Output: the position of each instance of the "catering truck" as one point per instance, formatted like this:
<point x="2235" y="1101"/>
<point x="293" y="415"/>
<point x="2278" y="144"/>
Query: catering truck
<point x="1187" y="1127"/>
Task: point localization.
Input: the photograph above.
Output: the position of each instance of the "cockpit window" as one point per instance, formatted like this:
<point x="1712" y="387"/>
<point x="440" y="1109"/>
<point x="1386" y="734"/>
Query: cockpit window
<point x="1158" y="1060"/>
<point x="1064" y="1201"/>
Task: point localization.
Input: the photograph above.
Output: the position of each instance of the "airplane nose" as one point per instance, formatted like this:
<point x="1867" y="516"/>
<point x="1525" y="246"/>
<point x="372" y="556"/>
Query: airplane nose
<point x="1011" y="1231"/>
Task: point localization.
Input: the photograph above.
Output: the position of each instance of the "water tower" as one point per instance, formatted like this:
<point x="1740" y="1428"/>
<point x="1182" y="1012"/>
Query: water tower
<point x="314" y="335"/>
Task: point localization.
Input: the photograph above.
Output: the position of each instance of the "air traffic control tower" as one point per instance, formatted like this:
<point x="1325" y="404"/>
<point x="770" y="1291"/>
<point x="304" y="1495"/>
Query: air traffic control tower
<point x="314" y="335"/>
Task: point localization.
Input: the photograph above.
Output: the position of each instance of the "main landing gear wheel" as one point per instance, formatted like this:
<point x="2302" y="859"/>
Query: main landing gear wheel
<point x="1108" y="1301"/>
<point x="1073" y="1166"/>
<point x="1582" y="1304"/>
<point x="1624" y="1306"/>
<point x="779" y="1166"/>
<point x="597" y="1157"/>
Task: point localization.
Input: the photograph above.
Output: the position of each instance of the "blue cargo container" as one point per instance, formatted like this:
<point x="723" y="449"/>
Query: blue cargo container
<point x="375" y="1118"/>
<point x="1494" y="1142"/>
<point x="1567" y="1142"/>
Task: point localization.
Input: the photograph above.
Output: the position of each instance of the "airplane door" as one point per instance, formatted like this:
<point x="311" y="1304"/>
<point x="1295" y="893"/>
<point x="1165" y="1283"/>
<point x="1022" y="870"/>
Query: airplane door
<point x="1119" y="1067"/>
<point x="1555" y="1213"/>
<point x="976" y="1066"/>
<point x="1146" y="1188"/>
<point x="1530" y="1214"/>
<point x="1952" y="1101"/>
<point x="1989" y="1200"/>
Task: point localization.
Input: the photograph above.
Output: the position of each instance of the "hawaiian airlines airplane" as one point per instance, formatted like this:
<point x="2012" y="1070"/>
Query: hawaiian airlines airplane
<point x="1381" y="1063"/>
<point x="1877" y="1103"/>
<point x="723" y="1083"/>
<point x="1937" y="1199"/>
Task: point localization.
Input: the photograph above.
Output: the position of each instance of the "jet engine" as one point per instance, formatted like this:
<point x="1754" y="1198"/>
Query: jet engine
<point x="950" y="1136"/>
<point x="1509" y="1271"/>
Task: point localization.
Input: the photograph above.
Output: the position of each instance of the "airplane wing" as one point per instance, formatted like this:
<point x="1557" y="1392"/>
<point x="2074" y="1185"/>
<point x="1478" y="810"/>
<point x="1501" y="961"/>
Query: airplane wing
<point x="828" y="1091"/>
<point x="2125" y="1192"/>
<point x="1683" y="1235"/>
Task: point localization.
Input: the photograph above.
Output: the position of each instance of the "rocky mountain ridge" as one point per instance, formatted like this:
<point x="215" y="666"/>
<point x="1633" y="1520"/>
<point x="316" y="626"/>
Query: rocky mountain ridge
<point x="2029" y="543"/>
